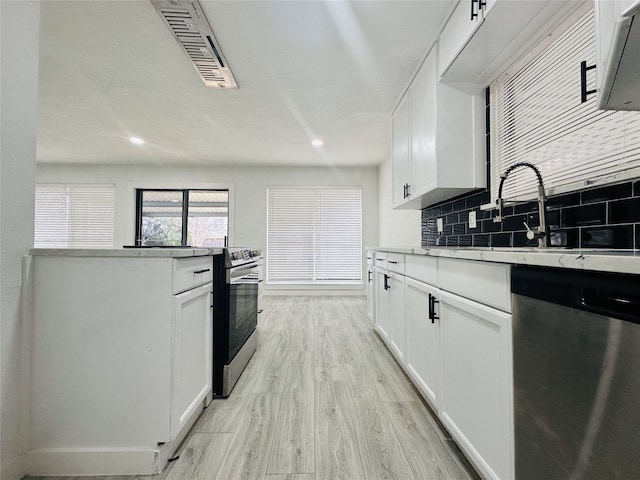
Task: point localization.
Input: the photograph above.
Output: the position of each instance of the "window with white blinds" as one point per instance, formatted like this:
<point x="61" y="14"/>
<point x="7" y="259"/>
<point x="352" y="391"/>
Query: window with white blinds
<point x="74" y="216"/>
<point x="538" y="117"/>
<point x="314" y="235"/>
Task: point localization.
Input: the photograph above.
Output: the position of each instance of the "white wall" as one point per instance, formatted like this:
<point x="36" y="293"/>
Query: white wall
<point x="397" y="228"/>
<point x="19" y="30"/>
<point x="248" y="185"/>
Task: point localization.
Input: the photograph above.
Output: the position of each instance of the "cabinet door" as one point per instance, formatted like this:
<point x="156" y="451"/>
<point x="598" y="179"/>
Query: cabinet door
<point x="476" y="403"/>
<point x="401" y="151"/>
<point x="423" y="127"/>
<point x="382" y="304"/>
<point x="423" y="349"/>
<point x="191" y="355"/>
<point x="371" y="293"/>
<point x="396" y="313"/>
<point x="455" y="35"/>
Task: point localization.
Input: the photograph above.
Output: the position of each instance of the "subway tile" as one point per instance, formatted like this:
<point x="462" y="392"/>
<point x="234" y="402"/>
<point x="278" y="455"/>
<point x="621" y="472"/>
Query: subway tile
<point x="460" y="204"/>
<point x="620" y="236"/>
<point x="447" y="230"/>
<point x="636" y="189"/>
<point x="525" y="208"/>
<point x="441" y="241"/>
<point x="624" y="211"/>
<point x="501" y="240"/>
<point x="481" y="240"/>
<point x="474" y="201"/>
<point x="559" y="201"/>
<point x="465" y="240"/>
<point x="568" y="237"/>
<point x="459" y="229"/>
<point x="520" y="240"/>
<point x="446" y="208"/>
<point x="490" y="226"/>
<point x="451" y="218"/>
<point x="452" y="241"/>
<point x="611" y="192"/>
<point x="464" y="217"/>
<point x="486" y="197"/>
<point x="593" y="214"/>
<point x="516" y="223"/>
<point x="636" y="227"/>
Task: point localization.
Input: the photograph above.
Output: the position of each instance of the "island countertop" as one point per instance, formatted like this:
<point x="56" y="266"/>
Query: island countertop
<point x="125" y="252"/>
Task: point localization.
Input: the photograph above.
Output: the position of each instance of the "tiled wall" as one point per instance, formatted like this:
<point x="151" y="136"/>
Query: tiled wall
<point x="604" y="217"/>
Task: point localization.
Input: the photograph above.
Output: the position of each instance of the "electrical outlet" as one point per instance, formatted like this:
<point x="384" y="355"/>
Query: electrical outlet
<point x="440" y="225"/>
<point x="472" y="219"/>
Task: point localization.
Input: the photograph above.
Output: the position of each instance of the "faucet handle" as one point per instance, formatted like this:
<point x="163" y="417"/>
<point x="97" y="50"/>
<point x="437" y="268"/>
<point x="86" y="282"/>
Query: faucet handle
<point x="530" y="233"/>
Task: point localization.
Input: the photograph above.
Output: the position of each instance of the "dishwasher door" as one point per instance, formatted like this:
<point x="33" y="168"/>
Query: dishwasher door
<point x="576" y="348"/>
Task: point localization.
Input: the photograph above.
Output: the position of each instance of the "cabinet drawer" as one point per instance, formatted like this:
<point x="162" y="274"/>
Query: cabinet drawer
<point x="395" y="263"/>
<point x="484" y="282"/>
<point x="381" y="260"/>
<point x="424" y="269"/>
<point x="191" y="272"/>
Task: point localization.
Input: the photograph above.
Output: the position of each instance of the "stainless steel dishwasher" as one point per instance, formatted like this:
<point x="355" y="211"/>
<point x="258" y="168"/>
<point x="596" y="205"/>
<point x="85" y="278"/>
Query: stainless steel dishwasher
<point x="576" y="358"/>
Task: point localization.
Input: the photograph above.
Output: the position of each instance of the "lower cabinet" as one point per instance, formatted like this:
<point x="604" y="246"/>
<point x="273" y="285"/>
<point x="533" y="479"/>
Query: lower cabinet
<point x="456" y="349"/>
<point x="422" y="360"/>
<point x="476" y="401"/>
<point x="191" y="367"/>
<point x="371" y="294"/>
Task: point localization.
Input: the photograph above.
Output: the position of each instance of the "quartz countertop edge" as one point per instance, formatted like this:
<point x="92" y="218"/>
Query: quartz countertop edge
<point x="125" y="252"/>
<point x="620" y="261"/>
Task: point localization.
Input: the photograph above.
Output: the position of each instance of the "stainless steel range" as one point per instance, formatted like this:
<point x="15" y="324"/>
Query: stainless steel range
<point x="235" y="314"/>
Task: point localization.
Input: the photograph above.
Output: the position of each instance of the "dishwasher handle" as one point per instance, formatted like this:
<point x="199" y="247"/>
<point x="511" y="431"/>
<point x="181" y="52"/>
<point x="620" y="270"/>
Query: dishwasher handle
<point x="625" y="305"/>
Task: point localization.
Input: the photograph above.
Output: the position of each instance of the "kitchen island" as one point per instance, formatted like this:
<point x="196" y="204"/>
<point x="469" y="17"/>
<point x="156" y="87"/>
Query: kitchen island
<point x="121" y="364"/>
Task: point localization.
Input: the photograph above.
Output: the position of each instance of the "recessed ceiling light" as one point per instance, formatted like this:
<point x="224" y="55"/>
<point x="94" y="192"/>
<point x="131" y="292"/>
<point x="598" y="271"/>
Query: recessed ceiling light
<point x="317" y="142"/>
<point x="136" y="140"/>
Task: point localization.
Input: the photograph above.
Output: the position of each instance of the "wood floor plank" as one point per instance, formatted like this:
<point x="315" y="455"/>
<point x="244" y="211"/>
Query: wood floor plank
<point x="292" y="450"/>
<point x="201" y="457"/>
<point x="380" y="450"/>
<point x="248" y="454"/>
<point x="273" y="373"/>
<point x="292" y="476"/>
<point x="337" y="454"/>
<point x="423" y="445"/>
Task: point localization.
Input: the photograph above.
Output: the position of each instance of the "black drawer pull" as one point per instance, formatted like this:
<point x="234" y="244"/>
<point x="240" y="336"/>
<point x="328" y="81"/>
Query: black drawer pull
<point x="584" y="93"/>
<point x="201" y="271"/>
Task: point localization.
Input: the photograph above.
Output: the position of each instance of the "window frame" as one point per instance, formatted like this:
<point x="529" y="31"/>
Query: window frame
<point x="139" y="192"/>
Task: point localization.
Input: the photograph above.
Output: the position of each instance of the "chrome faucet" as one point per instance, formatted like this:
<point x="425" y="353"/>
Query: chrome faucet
<point x="540" y="232"/>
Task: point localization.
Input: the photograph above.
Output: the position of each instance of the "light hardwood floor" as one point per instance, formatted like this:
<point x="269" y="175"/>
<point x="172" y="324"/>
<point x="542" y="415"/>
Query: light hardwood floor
<point x="321" y="399"/>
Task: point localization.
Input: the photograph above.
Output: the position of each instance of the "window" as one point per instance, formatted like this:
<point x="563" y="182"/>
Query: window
<point x="74" y="216"/>
<point x="314" y="235"/>
<point x="539" y="118"/>
<point x="198" y="218"/>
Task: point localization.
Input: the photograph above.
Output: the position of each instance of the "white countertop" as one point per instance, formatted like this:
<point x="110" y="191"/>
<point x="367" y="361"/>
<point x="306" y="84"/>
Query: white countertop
<point x="125" y="252"/>
<point x="621" y="261"/>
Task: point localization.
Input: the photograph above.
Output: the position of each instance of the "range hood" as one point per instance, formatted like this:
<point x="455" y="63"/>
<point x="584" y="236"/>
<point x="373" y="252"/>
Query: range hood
<point x="190" y="27"/>
<point x="620" y="84"/>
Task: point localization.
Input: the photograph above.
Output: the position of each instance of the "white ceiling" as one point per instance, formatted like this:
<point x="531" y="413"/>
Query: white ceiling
<point x="305" y="69"/>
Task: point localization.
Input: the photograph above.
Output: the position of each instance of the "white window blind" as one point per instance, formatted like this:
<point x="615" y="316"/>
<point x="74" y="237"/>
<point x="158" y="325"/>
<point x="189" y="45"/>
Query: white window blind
<point x="314" y="235"/>
<point x="74" y="216"/>
<point x="538" y="117"/>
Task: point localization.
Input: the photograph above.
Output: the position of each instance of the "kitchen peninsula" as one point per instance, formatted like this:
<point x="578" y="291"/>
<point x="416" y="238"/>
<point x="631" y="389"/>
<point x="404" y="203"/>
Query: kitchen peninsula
<point x="121" y="356"/>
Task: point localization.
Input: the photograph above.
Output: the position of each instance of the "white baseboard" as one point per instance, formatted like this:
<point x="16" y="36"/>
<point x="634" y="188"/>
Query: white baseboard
<point x="78" y="462"/>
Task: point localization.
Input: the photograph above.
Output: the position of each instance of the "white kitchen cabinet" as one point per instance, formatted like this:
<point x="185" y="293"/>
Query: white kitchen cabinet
<point x="121" y="358"/>
<point x="389" y="318"/>
<point x="423" y="337"/>
<point x="191" y="355"/>
<point x="445" y="140"/>
<point x="371" y="287"/>
<point x="473" y="49"/>
<point x="476" y="401"/>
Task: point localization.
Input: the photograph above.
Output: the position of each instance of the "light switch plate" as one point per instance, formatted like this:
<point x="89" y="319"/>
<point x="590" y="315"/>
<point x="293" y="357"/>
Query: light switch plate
<point x="472" y="219"/>
<point x="440" y="225"/>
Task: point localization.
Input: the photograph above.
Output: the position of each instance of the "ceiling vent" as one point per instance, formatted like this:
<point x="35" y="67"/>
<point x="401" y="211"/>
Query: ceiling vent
<point x="190" y="28"/>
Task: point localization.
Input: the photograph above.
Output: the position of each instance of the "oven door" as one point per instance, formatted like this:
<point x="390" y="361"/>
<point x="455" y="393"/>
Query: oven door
<point x="243" y="306"/>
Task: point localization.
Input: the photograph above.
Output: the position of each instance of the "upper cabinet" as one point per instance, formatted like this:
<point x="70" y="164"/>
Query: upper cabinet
<point x="438" y="140"/>
<point x="480" y="35"/>
<point x="617" y="54"/>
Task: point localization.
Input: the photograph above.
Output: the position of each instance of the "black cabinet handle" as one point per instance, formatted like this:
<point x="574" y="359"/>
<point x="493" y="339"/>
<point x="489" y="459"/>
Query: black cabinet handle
<point x="584" y="93"/>
<point x="475" y="13"/>
<point x="201" y="271"/>
<point x="432" y="308"/>
<point x="369" y="276"/>
<point x="391" y="261"/>
<point x="408" y="190"/>
<point x="386" y="282"/>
